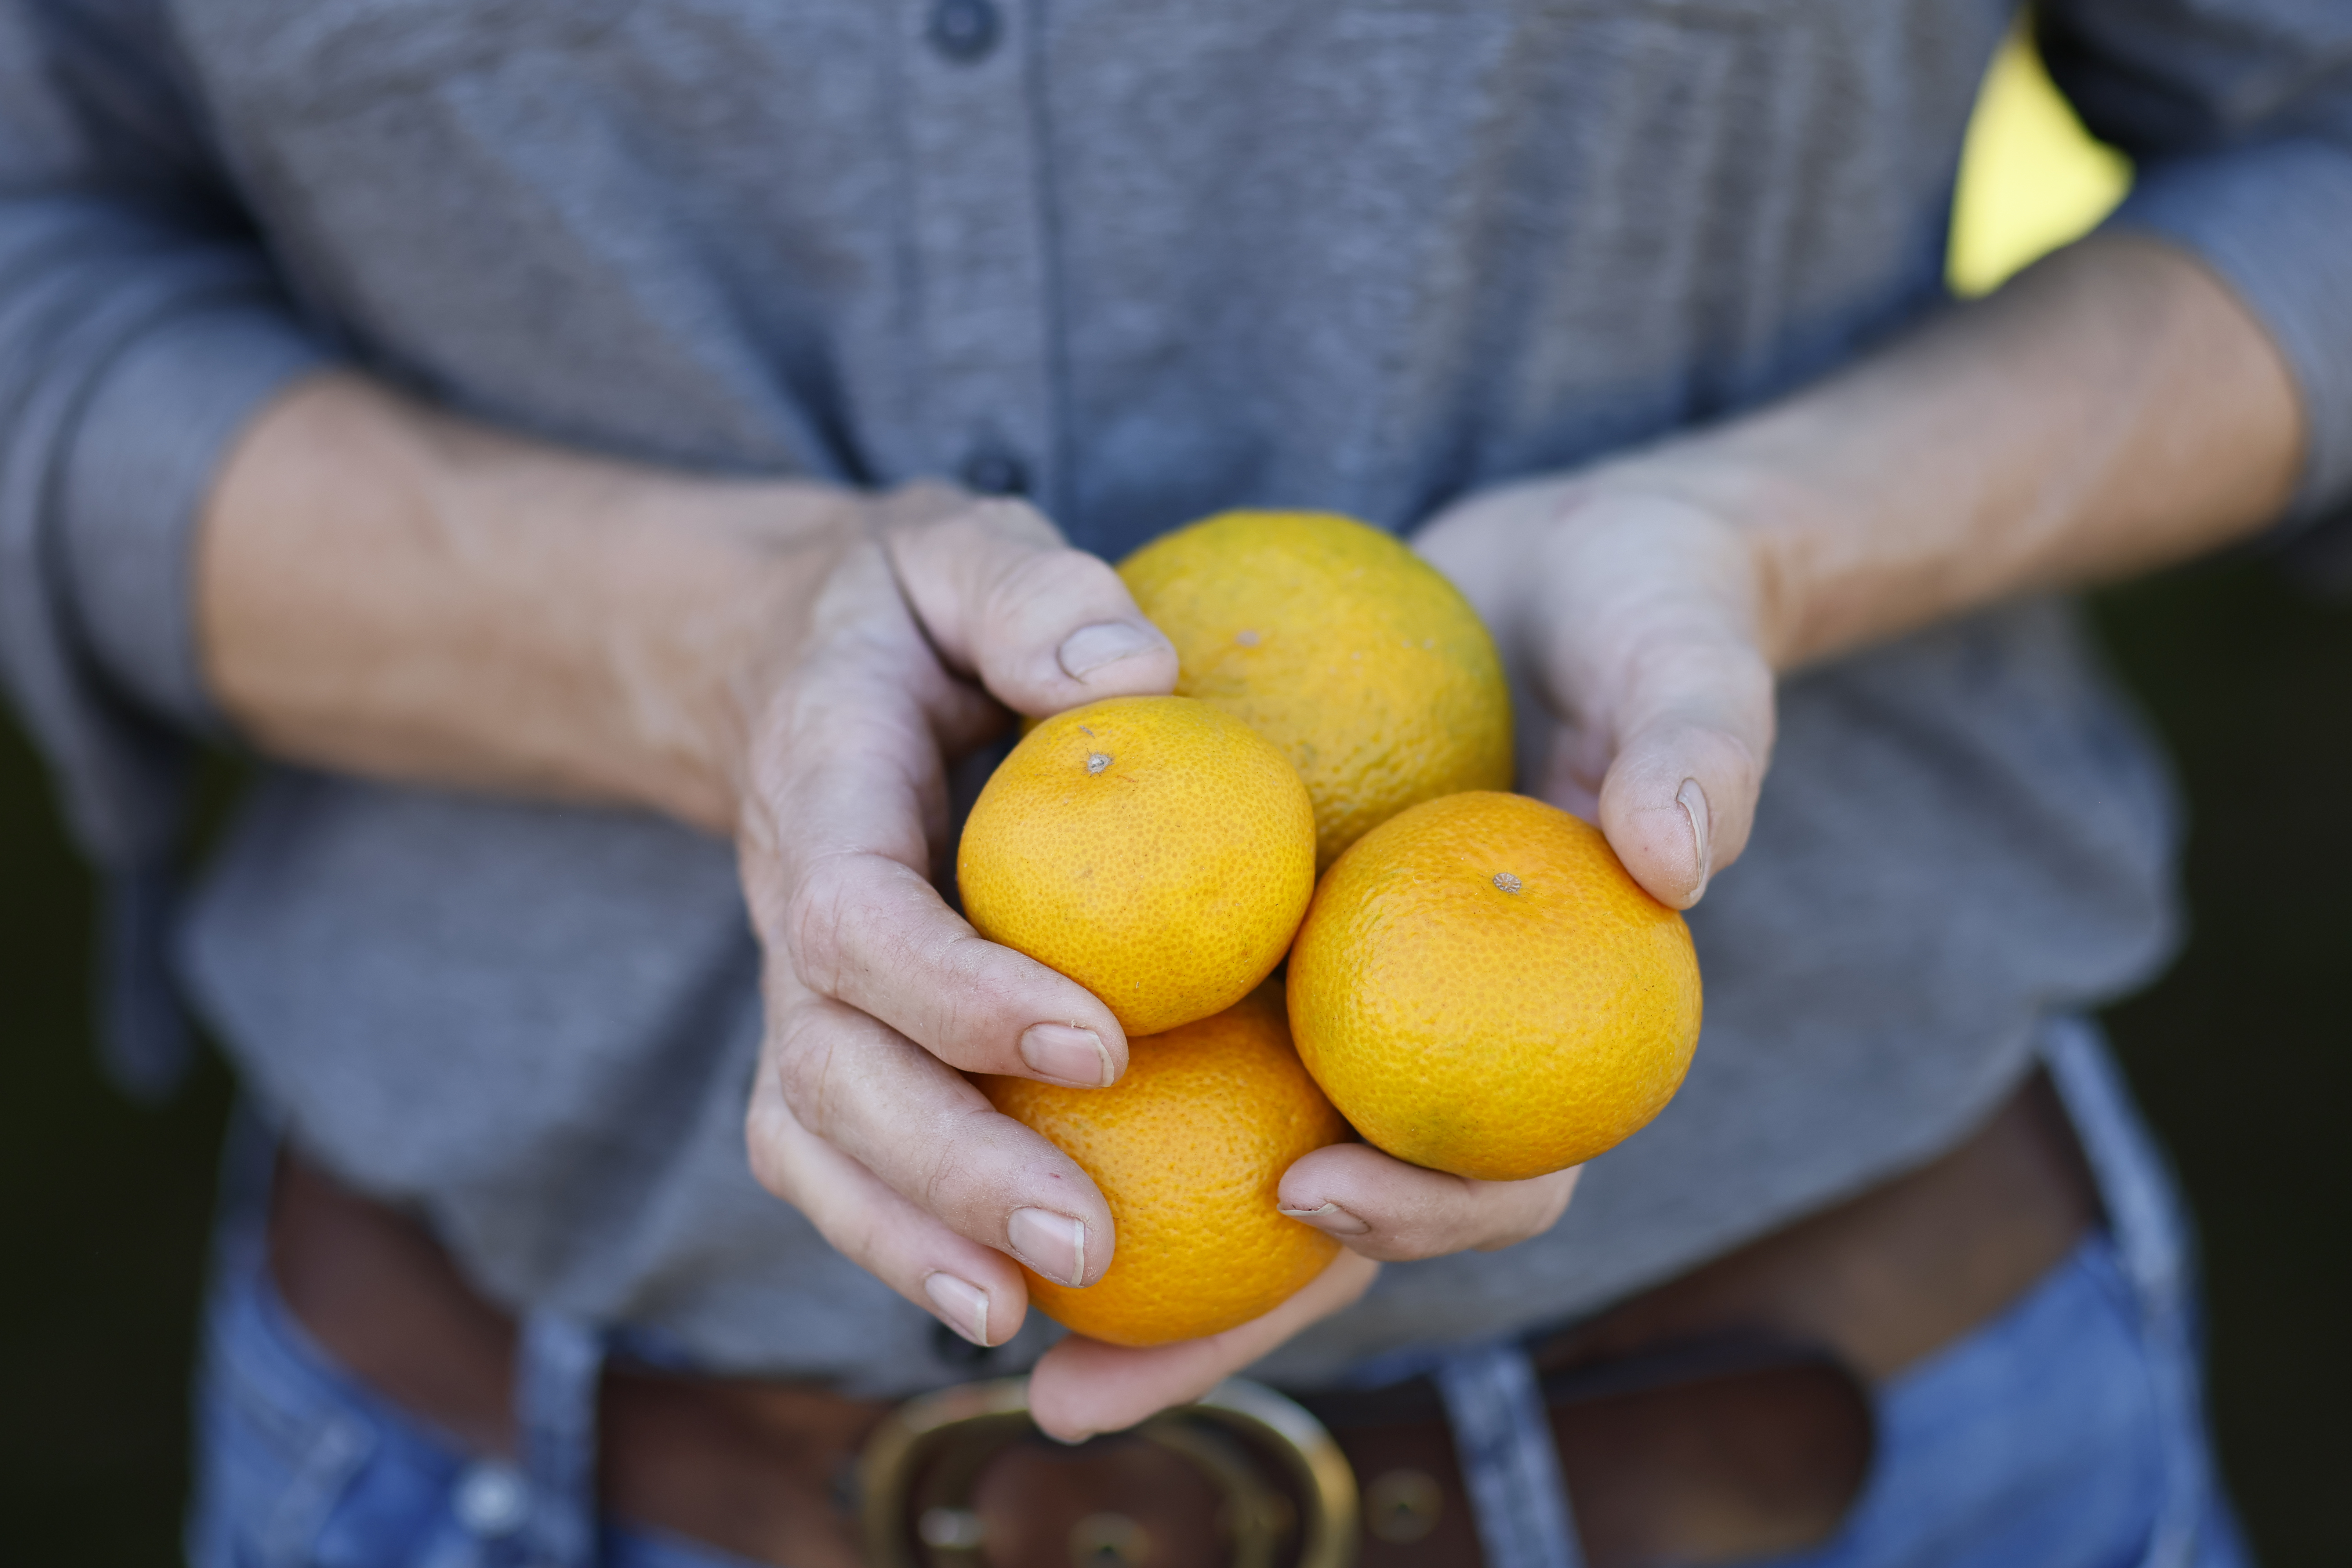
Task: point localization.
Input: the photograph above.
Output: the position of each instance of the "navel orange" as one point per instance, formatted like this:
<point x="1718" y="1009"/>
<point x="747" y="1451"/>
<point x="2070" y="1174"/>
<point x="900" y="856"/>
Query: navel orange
<point x="1188" y="1148"/>
<point x="1155" y="850"/>
<point x="1480" y="988"/>
<point x="1341" y="645"/>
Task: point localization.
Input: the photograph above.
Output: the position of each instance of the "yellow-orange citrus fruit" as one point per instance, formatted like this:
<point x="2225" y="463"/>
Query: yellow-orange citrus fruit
<point x="1343" y="648"/>
<point x="1156" y="850"/>
<point x="1483" y="989"/>
<point x="1188" y="1148"/>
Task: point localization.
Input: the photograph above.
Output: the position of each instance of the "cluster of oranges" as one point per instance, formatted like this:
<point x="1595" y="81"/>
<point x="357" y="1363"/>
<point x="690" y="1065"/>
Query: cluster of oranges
<point x="1473" y="983"/>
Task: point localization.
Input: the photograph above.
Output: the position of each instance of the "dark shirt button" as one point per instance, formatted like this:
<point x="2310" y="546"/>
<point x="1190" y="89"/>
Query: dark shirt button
<point x="957" y="1352"/>
<point x="965" y="29"/>
<point x="991" y="472"/>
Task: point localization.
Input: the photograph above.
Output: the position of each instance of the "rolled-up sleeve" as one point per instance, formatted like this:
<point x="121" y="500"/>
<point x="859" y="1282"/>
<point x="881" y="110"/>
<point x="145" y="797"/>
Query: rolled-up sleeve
<point x="143" y="452"/>
<point x="2237" y="115"/>
<point x="141" y="327"/>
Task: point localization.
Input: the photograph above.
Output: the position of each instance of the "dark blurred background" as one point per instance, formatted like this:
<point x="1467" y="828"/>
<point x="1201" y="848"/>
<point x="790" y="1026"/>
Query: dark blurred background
<point x="2240" y="1054"/>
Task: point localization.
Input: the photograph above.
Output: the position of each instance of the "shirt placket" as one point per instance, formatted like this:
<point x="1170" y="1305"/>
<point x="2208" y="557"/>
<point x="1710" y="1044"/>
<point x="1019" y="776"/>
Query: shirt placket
<point x="981" y="236"/>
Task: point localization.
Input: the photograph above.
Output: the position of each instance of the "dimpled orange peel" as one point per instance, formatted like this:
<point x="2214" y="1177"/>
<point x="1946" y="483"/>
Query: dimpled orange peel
<point x="1343" y="648"/>
<point x="1155" y="850"/>
<point x="1480" y="988"/>
<point x="1188" y="1148"/>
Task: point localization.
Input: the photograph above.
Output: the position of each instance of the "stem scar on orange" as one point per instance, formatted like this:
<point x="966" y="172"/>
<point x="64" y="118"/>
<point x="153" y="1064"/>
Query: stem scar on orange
<point x="1480" y="988"/>
<point x="1154" y="849"/>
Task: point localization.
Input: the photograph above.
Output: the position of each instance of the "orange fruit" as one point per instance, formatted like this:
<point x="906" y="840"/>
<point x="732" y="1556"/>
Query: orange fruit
<point x="1343" y="648"/>
<point x="1154" y="849"/>
<point x="1188" y="1148"/>
<point x="1480" y="988"/>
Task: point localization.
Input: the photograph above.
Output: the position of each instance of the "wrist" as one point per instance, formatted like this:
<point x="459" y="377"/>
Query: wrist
<point x="698" y="597"/>
<point x="385" y="590"/>
<point x="1748" y="517"/>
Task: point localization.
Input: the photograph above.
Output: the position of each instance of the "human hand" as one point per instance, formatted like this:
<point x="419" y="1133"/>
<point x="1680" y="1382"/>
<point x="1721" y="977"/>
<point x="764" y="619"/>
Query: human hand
<point x="1634" y="630"/>
<point x="1635" y="618"/>
<point x="877" y="993"/>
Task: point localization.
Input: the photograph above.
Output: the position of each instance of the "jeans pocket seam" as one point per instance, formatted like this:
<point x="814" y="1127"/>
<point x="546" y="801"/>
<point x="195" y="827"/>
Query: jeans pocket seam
<point x="320" y="1478"/>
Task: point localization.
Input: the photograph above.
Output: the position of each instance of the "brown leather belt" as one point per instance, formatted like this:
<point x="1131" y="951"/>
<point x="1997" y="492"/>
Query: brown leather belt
<point x="1723" y="1415"/>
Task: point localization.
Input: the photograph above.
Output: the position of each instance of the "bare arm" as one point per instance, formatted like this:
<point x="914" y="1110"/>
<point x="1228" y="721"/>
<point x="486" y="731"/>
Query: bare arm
<point x="2112" y="409"/>
<point x="385" y="590"/>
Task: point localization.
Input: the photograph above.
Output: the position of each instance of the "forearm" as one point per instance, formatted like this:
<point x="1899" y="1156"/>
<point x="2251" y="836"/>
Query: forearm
<point x="385" y="590"/>
<point x="2111" y="410"/>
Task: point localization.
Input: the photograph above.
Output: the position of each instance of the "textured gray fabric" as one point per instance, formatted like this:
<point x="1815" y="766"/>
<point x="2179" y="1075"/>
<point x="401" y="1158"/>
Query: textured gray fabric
<point x="1171" y="258"/>
<point x="154" y="428"/>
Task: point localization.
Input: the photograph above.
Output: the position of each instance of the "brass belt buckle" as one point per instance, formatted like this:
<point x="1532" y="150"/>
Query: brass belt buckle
<point x="943" y="1440"/>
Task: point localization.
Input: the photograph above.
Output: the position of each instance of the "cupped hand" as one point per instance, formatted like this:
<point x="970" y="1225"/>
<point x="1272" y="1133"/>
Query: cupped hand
<point x="879" y="996"/>
<point x="877" y="992"/>
<point x="1632" y="616"/>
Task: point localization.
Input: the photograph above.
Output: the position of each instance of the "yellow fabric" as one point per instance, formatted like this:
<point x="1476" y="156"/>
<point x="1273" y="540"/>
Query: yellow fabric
<point x="2032" y="178"/>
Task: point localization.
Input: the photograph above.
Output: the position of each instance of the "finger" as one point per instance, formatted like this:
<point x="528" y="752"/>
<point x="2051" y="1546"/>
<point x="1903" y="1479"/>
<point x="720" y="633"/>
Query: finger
<point x="1651" y="656"/>
<point x="1045" y="626"/>
<point x="1082" y="1387"/>
<point x="1387" y="1209"/>
<point x="926" y="1133"/>
<point x="873" y="933"/>
<point x="973" y="1289"/>
<point x="837" y="855"/>
<point x="1679" y="797"/>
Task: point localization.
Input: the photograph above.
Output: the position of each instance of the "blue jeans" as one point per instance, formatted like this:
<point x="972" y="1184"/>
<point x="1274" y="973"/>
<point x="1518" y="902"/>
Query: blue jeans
<point x="2065" y="1433"/>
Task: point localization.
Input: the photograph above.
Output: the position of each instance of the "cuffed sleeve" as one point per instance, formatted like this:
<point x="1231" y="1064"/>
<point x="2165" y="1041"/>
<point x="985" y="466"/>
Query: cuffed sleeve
<point x="2237" y="115"/>
<point x="141" y="325"/>
<point x="2275" y="223"/>
<point x="142" y="456"/>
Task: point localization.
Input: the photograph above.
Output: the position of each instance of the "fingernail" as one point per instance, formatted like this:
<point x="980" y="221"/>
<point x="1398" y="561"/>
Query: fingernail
<point x="1089" y="648"/>
<point x="1693" y="800"/>
<point x="1066" y="1054"/>
<point x="963" y="1307"/>
<point x="1330" y="1217"/>
<point x="1054" y="1245"/>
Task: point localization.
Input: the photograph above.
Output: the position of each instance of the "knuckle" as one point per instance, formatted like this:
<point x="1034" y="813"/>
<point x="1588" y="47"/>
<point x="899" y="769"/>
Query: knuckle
<point x="952" y="1183"/>
<point x="1046" y="585"/>
<point x="762" y="1143"/>
<point x="866" y="1235"/>
<point x="818" y="913"/>
<point x="1011" y="518"/>
<point x="802" y="1062"/>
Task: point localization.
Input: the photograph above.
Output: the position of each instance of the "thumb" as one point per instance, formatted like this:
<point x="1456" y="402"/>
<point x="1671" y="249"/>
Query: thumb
<point x="1679" y="796"/>
<point x="1043" y="626"/>
<point x="1082" y="1387"/>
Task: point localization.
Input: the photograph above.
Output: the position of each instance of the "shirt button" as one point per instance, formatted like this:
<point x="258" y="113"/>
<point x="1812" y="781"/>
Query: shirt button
<point x="992" y="471"/>
<point x="491" y="1500"/>
<point x="964" y="30"/>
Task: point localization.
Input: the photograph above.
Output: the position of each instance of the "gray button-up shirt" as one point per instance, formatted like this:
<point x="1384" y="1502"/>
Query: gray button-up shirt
<point x="1147" y="258"/>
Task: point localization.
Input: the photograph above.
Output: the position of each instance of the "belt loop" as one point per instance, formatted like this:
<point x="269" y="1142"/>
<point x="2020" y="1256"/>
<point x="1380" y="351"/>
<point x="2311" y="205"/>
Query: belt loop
<point x="558" y="1365"/>
<point x="2143" y="1208"/>
<point x="1509" y="1462"/>
<point x="2153" y="1242"/>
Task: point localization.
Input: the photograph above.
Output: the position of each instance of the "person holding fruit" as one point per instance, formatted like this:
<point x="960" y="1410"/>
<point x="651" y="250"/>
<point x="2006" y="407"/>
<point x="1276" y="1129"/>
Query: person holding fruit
<point x="615" y="466"/>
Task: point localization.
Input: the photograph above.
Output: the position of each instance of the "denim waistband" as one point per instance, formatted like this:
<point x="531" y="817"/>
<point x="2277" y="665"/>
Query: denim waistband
<point x="1510" y="1468"/>
<point x="547" y="1505"/>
